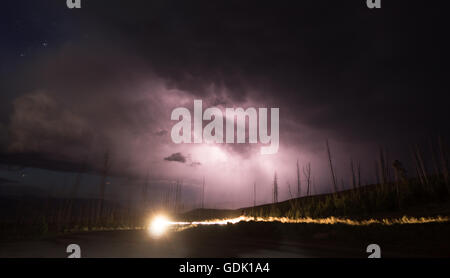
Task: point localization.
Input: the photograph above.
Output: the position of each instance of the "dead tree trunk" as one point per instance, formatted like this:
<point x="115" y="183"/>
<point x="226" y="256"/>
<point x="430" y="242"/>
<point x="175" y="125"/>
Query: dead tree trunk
<point x="333" y="176"/>
<point x="103" y="186"/>
<point x="203" y="193"/>
<point x="254" y="194"/>
<point x="444" y="161"/>
<point x="275" y="189"/>
<point x="353" y="174"/>
<point x="299" y="189"/>
<point x="307" y="173"/>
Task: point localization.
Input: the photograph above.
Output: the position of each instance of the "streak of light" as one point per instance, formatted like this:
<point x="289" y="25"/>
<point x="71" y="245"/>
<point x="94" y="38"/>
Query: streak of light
<point x="309" y="220"/>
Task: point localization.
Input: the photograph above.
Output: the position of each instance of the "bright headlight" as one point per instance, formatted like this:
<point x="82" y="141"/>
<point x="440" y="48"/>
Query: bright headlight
<point x="159" y="225"/>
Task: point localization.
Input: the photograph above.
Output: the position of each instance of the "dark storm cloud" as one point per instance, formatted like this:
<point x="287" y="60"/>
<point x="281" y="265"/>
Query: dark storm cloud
<point x="340" y="67"/>
<point x="82" y="105"/>
<point x="178" y="157"/>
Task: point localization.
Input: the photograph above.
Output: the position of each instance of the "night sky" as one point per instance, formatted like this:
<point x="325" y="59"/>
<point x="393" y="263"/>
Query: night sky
<point x="76" y="84"/>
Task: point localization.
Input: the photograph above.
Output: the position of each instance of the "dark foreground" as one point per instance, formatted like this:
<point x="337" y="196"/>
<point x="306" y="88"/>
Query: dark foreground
<point x="247" y="240"/>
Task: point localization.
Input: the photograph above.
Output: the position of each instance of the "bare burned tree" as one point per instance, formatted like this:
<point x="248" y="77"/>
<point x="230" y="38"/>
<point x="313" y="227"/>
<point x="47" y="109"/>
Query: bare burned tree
<point x="377" y="174"/>
<point x="353" y="174"/>
<point x="422" y="167"/>
<point x="289" y="189"/>
<point x="382" y="166"/>
<point x="333" y="176"/>
<point x="178" y="196"/>
<point x="399" y="172"/>
<point x="203" y="193"/>
<point x="106" y="166"/>
<point x="444" y="160"/>
<point x="145" y="191"/>
<point x="299" y="189"/>
<point x="307" y="174"/>
<point x="275" y="189"/>
<point x="419" y="165"/>
<point x="359" y="174"/>
<point x="399" y="175"/>
<point x="434" y="159"/>
<point x="74" y="191"/>
<point x="254" y="194"/>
